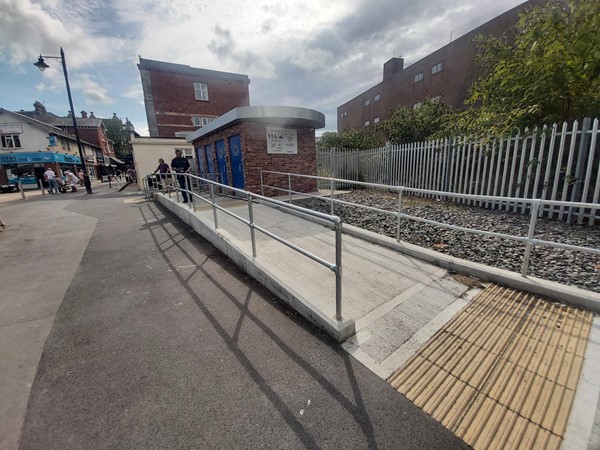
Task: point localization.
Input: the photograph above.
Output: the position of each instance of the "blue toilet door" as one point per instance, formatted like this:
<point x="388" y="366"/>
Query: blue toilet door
<point x="222" y="161"/>
<point x="237" y="162"/>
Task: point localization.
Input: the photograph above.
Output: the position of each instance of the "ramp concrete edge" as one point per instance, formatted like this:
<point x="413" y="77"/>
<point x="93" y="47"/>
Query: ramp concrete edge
<point x="567" y="294"/>
<point x="223" y="241"/>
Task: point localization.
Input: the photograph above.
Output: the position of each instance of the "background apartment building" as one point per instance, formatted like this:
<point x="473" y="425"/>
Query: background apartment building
<point x="446" y="74"/>
<point x="180" y="99"/>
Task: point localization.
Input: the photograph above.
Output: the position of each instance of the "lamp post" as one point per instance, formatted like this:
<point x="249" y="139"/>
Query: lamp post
<point x="40" y="64"/>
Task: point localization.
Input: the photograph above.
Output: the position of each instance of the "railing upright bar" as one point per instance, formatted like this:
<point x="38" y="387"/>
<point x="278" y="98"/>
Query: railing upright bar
<point x="262" y="189"/>
<point x="212" y="201"/>
<point x="251" y="225"/>
<point x="399" y="214"/>
<point x="331" y="185"/>
<point x="290" y="186"/>
<point x="528" y="245"/>
<point x="338" y="270"/>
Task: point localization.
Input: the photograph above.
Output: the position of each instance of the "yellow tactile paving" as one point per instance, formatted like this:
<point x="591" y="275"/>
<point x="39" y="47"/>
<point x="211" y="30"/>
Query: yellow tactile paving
<point x="502" y="374"/>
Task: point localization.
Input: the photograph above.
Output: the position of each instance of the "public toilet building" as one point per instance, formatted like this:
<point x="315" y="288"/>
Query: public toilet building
<point x="235" y="147"/>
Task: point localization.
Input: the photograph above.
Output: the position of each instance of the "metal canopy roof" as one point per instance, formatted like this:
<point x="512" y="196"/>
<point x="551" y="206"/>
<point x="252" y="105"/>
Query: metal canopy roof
<point x="285" y="116"/>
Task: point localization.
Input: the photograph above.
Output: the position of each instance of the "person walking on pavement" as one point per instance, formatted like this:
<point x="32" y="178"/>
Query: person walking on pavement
<point x="50" y="177"/>
<point x="181" y="165"/>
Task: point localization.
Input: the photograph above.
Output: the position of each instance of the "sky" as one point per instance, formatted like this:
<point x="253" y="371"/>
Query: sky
<point x="315" y="54"/>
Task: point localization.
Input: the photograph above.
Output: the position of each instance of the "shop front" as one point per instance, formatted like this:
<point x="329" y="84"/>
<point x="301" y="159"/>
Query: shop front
<point x="29" y="167"/>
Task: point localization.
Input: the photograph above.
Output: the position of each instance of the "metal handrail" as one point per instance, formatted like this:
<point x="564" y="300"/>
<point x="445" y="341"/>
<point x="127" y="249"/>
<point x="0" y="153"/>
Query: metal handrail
<point x="334" y="221"/>
<point x="529" y="240"/>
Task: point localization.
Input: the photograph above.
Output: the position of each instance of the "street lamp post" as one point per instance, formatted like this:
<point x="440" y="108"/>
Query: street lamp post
<point x="40" y="64"/>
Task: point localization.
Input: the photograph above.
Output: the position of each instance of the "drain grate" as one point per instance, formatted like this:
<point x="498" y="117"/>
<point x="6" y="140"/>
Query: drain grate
<point x="503" y="372"/>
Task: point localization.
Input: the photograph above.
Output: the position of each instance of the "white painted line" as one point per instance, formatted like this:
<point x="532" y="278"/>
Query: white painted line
<point x="586" y="404"/>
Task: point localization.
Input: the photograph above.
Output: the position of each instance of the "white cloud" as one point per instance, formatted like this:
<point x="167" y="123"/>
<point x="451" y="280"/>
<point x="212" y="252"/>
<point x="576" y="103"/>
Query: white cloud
<point x="94" y="92"/>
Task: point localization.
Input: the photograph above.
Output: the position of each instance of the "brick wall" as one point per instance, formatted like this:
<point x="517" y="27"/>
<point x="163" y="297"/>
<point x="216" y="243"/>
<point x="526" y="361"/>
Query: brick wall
<point x="175" y="102"/>
<point x="254" y="151"/>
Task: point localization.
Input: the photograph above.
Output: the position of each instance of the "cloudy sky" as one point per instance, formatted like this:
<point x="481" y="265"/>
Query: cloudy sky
<point x="315" y="54"/>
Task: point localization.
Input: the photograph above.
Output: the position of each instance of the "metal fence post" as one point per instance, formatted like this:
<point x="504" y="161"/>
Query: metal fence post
<point x="193" y="197"/>
<point x="20" y="186"/>
<point x="331" y="186"/>
<point x="252" y="232"/>
<point x="262" y="186"/>
<point x="399" y="211"/>
<point x="534" y="213"/>
<point x="290" y="186"/>
<point x="212" y="200"/>
<point x="338" y="271"/>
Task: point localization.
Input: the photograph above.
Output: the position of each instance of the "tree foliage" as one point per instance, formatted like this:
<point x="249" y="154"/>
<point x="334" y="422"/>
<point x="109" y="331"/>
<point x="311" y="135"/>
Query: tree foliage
<point x="546" y="69"/>
<point x="117" y="132"/>
<point x="431" y="119"/>
<point x="350" y="139"/>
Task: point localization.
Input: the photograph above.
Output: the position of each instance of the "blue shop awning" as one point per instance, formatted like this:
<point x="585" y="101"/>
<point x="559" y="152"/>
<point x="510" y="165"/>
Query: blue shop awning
<point x="38" y="157"/>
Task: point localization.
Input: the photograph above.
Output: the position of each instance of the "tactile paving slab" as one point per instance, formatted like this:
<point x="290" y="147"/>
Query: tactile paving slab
<point x="502" y="373"/>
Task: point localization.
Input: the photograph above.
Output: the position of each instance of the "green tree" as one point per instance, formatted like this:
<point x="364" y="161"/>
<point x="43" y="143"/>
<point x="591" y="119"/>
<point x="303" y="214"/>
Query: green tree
<point x="118" y="132"/>
<point x="429" y="120"/>
<point x="546" y="69"/>
<point x="350" y="139"/>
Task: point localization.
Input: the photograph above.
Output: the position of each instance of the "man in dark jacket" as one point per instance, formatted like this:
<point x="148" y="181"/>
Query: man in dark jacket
<point x="181" y="165"/>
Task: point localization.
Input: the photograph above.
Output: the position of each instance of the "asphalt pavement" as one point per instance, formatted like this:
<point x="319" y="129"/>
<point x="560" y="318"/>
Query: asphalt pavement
<point x="161" y="342"/>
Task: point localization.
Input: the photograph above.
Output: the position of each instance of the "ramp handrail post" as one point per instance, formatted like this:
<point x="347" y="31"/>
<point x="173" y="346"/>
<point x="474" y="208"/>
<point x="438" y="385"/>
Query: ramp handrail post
<point x="532" y="222"/>
<point x="251" y="225"/>
<point x="331" y="185"/>
<point x="290" y="186"/>
<point x="193" y="197"/>
<point x="399" y="212"/>
<point x="262" y="186"/>
<point x="338" y="270"/>
<point x="212" y="201"/>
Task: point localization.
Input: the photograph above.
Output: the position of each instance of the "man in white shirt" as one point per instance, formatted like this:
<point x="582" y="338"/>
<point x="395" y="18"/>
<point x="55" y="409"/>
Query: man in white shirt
<point x="50" y="177"/>
<point x="72" y="180"/>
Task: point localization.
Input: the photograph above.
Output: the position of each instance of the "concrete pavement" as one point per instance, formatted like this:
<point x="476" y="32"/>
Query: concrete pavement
<point x="160" y="341"/>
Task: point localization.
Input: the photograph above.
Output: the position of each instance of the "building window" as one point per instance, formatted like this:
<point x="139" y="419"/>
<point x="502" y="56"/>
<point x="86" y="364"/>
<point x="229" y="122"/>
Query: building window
<point x="367" y="102"/>
<point x="437" y="68"/>
<point x="417" y="105"/>
<point x="377" y="97"/>
<point x="376" y="120"/>
<point x="201" y="121"/>
<point x="201" y="91"/>
<point x="419" y="76"/>
<point x="367" y="123"/>
<point x="11" y="141"/>
<point x="437" y="98"/>
<point x="187" y="152"/>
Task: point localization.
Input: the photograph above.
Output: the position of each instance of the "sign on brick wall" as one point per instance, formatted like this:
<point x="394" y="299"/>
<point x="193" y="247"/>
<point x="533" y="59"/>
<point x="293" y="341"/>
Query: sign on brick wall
<point x="282" y="140"/>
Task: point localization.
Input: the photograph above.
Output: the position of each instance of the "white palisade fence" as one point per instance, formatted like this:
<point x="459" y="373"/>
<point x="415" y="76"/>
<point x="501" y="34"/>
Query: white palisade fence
<point x="560" y="162"/>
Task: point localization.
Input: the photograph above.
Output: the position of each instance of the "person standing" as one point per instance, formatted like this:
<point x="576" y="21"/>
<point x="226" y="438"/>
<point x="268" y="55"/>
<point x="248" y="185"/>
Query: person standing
<point x="181" y="165"/>
<point x="163" y="169"/>
<point x="50" y="177"/>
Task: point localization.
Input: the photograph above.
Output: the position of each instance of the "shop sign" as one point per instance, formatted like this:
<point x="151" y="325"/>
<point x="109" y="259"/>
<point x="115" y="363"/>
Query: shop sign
<point x="282" y="141"/>
<point x="11" y="128"/>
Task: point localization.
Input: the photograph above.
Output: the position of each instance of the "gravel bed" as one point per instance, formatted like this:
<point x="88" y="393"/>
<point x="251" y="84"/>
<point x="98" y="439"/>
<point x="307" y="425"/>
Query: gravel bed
<point x="564" y="266"/>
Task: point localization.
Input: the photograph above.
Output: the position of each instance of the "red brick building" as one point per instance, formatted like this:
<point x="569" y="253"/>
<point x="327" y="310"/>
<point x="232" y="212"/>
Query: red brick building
<point x="237" y="146"/>
<point x="181" y="99"/>
<point x="446" y="74"/>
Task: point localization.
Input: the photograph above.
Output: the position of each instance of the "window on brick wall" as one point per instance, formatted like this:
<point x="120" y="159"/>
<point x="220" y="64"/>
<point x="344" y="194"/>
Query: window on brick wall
<point x="201" y="121"/>
<point x="377" y="97"/>
<point x="201" y="91"/>
<point x="437" y="68"/>
<point x="11" y="141"/>
<point x="419" y="77"/>
<point x="367" y="123"/>
<point x="367" y="102"/>
<point x="376" y="120"/>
